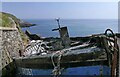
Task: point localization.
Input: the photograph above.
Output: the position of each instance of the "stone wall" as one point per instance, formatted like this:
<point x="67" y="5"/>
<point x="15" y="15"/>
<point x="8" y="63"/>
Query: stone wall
<point x="11" y="44"/>
<point x="0" y="53"/>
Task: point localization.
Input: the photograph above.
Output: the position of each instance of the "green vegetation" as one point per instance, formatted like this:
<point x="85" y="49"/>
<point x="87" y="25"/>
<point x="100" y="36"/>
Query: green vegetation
<point x="5" y="20"/>
<point x="9" y="20"/>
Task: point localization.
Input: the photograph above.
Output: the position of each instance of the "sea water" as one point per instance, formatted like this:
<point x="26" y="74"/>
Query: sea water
<point x="76" y="27"/>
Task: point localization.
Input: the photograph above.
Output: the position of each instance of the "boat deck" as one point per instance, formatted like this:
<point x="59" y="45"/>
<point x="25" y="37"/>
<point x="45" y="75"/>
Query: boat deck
<point x="76" y="60"/>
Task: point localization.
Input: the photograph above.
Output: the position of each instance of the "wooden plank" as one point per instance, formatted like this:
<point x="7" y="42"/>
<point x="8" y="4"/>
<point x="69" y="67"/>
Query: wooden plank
<point x="83" y="59"/>
<point x="118" y="41"/>
<point x="46" y="65"/>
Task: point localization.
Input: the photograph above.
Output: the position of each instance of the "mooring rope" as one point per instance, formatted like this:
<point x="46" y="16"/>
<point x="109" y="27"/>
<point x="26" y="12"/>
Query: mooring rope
<point x="52" y="58"/>
<point x="57" y="70"/>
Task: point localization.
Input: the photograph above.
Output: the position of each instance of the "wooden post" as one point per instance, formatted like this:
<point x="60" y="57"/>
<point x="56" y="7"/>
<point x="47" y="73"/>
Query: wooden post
<point x="64" y="35"/>
<point x="105" y="44"/>
<point x="114" y="59"/>
<point x="118" y="42"/>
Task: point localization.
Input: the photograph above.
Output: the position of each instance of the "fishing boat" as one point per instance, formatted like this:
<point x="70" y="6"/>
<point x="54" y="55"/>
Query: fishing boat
<point x="90" y="56"/>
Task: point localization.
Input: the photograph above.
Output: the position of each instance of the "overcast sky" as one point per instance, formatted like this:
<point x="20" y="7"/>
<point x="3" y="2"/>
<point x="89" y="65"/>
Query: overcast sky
<point x="64" y="10"/>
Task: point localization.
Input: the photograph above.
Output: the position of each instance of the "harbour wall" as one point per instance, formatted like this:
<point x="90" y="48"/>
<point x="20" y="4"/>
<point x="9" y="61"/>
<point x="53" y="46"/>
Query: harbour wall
<point x="10" y="45"/>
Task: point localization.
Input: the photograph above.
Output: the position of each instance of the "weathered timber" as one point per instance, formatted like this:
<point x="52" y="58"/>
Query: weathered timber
<point x="63" y="65"/>
<point x="67" y="60"/>
<point x="118" y="42"/>
<point x="32" y="36"/>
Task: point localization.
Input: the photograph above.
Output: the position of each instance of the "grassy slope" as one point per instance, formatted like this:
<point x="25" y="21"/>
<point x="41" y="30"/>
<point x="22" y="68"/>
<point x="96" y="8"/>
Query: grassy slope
<point x="5" y="21"/>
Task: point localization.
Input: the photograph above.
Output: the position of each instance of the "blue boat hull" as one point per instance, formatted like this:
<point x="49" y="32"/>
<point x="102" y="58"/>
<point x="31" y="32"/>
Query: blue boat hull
<point x="86" y="71"/>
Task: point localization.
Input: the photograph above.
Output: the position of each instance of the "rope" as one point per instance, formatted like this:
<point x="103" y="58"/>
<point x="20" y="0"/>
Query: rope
<point x="57" y="70"/>
<point x="52" y="58"/>
<point x="32" y="47"/>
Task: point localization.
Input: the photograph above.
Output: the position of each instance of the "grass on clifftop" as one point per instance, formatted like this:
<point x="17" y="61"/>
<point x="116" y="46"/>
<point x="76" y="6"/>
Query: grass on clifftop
<point x="6" y="20"/>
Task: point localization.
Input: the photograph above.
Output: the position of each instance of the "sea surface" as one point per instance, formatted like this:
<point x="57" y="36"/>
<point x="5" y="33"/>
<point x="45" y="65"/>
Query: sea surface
<point x="76" y="27"/>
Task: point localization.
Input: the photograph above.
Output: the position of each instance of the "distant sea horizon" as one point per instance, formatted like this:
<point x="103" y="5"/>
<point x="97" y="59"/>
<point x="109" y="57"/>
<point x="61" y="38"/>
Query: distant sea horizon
<point x="76" y="27"/>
